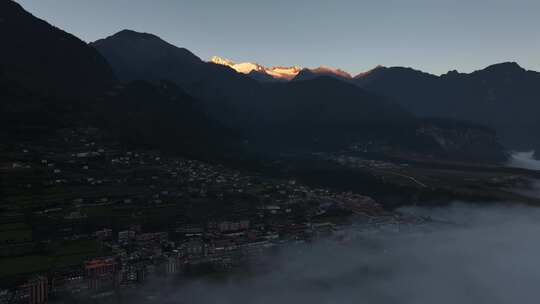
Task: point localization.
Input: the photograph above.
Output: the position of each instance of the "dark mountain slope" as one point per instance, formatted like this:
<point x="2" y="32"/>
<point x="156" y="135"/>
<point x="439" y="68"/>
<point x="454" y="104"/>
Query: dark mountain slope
<point x="144" y="56"/>
<point x="139" y="113"/>
<point x="162" y="115"/>
<point x="327" y="114"/>
<point x="48" y="59"/>
<point x="307" y="74"/>
<point x="27" y="115"/>
<point x="326" y="100"/>
<point x="140" y="56"/>
<point x="405" y="83"/>
<point x="323" y="111"/>
<point x="502" y="96"/>
<point x="49" y="79"/>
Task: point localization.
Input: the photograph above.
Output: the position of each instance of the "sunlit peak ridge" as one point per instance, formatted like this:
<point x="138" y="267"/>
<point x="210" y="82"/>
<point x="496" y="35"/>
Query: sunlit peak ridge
<point x="280" y="73"/>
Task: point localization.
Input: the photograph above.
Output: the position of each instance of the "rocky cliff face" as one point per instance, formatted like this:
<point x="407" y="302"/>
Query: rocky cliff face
<point x="464" y="141"/>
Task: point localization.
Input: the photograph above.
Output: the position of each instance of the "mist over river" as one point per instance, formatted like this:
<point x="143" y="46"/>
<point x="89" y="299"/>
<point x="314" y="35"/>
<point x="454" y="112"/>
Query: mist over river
<point x="461" y="253"/>
<point x="524" y="160"/>
<point x="465" y="254"/>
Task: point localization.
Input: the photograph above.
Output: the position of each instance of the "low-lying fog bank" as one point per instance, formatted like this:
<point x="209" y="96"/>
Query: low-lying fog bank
<point x="524" y="160"/>
<point x="532" y="189"/>
<point x="469" y="254"/>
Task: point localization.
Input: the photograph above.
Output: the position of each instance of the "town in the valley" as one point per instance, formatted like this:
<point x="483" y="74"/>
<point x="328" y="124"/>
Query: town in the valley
<point x="85" y="218"/>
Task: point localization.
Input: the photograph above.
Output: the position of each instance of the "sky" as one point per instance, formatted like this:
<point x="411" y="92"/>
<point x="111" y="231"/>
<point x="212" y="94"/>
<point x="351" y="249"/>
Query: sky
<point x="355" y="35"/>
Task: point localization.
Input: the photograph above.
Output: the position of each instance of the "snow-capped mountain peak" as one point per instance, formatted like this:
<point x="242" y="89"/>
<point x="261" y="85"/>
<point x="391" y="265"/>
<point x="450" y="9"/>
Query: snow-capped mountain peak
<point x="248" y="67"/>
<point x="287" y="73"/>
<point x="244" y="67"/>
<point x="278" y="72"/>
<point x="222" y="61"/>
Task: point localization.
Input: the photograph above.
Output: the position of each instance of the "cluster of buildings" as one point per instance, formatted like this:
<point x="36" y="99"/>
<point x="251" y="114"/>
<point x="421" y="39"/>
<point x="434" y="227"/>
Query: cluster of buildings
<point x="359" y="162"/>
<point x="135" y="257"/>
<point x="151" y="214"/>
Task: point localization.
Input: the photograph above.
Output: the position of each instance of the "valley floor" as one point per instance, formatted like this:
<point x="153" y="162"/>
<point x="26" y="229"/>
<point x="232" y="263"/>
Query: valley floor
<point x="84" y="217"/>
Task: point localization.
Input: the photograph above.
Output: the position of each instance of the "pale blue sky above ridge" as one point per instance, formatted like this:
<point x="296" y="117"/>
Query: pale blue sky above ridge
<point x="354" y="35"/>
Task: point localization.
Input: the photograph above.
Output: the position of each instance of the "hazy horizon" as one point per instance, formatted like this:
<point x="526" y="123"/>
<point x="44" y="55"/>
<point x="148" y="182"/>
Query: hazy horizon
<point x="433" y="36"/>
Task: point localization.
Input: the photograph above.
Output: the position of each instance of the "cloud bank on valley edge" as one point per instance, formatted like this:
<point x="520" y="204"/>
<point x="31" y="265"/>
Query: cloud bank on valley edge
<point x="524" y="160"/>
<point x="469" y="254"/>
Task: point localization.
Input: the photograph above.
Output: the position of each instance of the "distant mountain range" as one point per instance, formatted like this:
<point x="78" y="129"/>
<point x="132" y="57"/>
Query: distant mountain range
<point x="141" y="56"/>
<point x="502" y="96"/>
<point x="238" y="101"/>
<point x="143" y="89"/>
<point x="239" y="98"/>
<point x="255" y="69"/>
<point x="278" y="73"/>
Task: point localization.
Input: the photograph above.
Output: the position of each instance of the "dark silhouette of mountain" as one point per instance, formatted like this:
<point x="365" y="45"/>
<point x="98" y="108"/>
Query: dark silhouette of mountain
<point x="400" y="77"/>
<point x="144" y="56"/>
<point x="503" y="96"/>
<point x="327" y="113"/>
<point x="171" y="99"/>
<point x="260" y="76"/>
<point x="141" y="56"/>
<point x="138" y="56"/>
<point x="327" y="100"/>
<point x="307" y="74"/>
<point x="462" y="140"/>
<point x="27" y="115"/>
<point x="50" y="79"/>
<point x="320" y="111"/>
<point x="162" y="115"/>
<point x="47" y="59"/>
<point x="324" y="112"/>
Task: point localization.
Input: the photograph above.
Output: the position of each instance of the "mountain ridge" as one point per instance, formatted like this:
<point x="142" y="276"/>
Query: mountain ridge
<point x="276" y="72"/>
<point x="280" y="73"/>
<point x="48" y="59"/>
<point x="494" y="96"/>
<point x="319" y="113"/>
